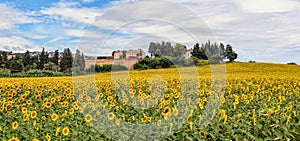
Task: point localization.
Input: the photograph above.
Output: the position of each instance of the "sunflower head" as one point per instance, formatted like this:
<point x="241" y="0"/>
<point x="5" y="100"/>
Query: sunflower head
<point x="65" y="131"/>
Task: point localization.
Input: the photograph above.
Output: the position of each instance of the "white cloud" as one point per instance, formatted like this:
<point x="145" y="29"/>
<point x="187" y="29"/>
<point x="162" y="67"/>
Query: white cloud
<point x="17" y="44"/>
<point x="267" y="6"/>
<point x="68" y="11"/>
<point x="87" y="1"/>
<point x="10" y="17"/>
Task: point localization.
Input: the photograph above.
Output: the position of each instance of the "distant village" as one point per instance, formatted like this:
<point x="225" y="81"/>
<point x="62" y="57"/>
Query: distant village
<point x="122" y="57"/>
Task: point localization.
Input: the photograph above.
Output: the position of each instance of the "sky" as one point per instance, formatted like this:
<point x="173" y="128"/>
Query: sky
<point x="258" y="30"/>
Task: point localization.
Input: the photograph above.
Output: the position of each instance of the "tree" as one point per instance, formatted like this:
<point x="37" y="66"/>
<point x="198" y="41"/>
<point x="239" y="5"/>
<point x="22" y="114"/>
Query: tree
<point x="16" y="64"/>
<point x="51" y="66"/>
<point x="43" y="59"/>
<point x="55" y="58"/>
<point x="79" y="60"/>
<point x="1" y="60"/>
<point x="222" y="50"/>
<point x="4" y="59"/>
<point x="66" y="61"/>
<point x="152" y="48"/>
<point x="230" y="54"/>
<point x="199" y="52"/>
<point x="27" y="59"/>
<point x="179" y="50"/>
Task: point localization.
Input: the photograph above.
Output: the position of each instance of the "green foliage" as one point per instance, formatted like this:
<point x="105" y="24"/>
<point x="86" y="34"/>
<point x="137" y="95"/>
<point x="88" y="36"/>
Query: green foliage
<point x="51" y="66"/>
<point x="55" y="58"/>
<point x="43" y="59"/>
<point x="27" y="61"/>
<point x="230" y="54"/>
<point x="66" y="61"/>
<point x="292" y="63"/>
<point x="4" y="72"/>
<point x="79" y="61"/>
<point x="34" y="73"/>
<point x="213" y="52"/>
<point x="181" y="61"/>
<point x="161" y="49"/>
<point x="106" y="68"/>
<point x="215" y="59"/>
<point x="199" y="52"/>
<point x="16" y="64"/>
<point x="153" y="63"/>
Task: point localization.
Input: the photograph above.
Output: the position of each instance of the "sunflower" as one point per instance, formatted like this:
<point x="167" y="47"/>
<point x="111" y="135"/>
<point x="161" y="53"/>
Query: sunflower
<point x="47" y="104"/>
<point x="24" y="110"/>
<point x="117" y="122"/>
<point x="48" y="137"/>
<point x="38" y="97"/>
<point x="110" y="116"/>
<point x="166" y="112"/>
<point x="53" y="100"/>
<point x="201" y="134"/>
<point x="71" y="111"/>
<point x="35" y="139"/>
<point x="144" y="119"/>
<point x="225" y="119"/>
<point x="13" y="139"/>
<point x="33" y="114"/>
<point x="8" y="107"/>
<point x="54" y="117"/>
<point x="65" y="131"/>
<point x="88" y="118"/>
<point x="26" y="117"/>
<point x="158" y="123"/>
<point x="34" y="123"/>
<point x="57" y="131"/>
<point x="191" y="126"/>
<point x="239" y="117"/>
<point x="15" y="125"/>
<point x="28" y="102"/>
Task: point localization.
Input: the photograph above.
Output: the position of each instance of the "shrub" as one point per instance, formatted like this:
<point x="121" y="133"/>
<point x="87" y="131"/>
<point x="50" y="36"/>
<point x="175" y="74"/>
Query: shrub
<point x="292" y="63"/>
<point x="4" y="72"/>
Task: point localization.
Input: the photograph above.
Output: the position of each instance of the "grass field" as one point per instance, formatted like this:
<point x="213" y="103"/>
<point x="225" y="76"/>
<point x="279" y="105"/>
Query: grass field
<point x="260" y="102"/>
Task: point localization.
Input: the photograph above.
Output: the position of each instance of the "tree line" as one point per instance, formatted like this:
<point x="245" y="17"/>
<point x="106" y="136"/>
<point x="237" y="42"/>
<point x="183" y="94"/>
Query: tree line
<point x="23" y="62"/>
<point x="164" y="55"/>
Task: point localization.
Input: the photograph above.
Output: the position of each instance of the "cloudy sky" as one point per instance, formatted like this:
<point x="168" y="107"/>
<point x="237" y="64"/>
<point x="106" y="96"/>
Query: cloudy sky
<point x="260" y="30"/>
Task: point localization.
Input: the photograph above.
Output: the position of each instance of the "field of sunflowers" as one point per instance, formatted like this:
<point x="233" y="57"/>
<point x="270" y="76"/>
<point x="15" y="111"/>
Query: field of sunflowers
<point x="256" y="102"/>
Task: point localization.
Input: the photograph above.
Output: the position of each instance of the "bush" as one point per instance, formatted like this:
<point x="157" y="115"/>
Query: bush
<point x="118" y="68"/>
<point x="202" y="62"/>
<point x="139" y="66"/>
<point x="4" y="72"/>
<point x="38" y="73"/>
<point x="292" y="63"/>
<point x="215" y="59"/>
<point x="153" y="63"/>
<point x="107" y="68"/>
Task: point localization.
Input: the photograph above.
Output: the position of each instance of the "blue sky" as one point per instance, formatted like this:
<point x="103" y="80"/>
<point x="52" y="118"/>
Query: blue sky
<point x="260" y="30"/>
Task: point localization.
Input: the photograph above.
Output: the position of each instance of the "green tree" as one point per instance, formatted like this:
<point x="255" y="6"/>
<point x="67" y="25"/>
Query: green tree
<point x="43" y="59"/>
<point x="179" y="50"/>
<point x="79" y="60"/>
<point x="4" y="60"/>
<point x="66" y="61"/>
<point x="199" y="52"/>
<point x="16" y="64"/>
<point x="27" y="61"/>
<point x="230" y="54"/>
<point x="51" y="66"/>
<point x="55" y="58"/>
